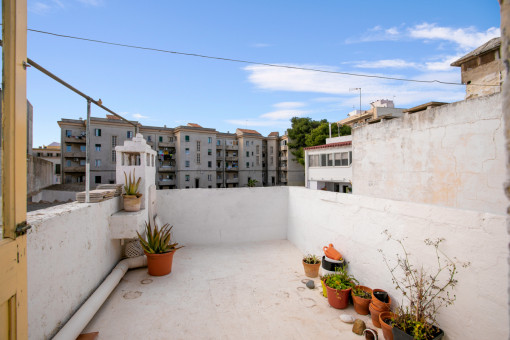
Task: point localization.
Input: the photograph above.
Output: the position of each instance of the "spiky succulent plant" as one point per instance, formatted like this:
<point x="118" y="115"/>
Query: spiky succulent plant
<point x="131" y="186"/>
<point x="159" y="240"/>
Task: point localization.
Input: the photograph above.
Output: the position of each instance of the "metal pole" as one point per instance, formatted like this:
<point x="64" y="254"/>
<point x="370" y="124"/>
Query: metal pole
<point x="87" y="156"/>
<point x="360" y="100"/>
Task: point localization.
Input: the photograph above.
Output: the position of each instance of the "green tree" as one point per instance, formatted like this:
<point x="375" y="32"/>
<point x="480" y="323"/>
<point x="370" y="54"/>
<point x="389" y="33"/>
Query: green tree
<point x="307" y="132"/>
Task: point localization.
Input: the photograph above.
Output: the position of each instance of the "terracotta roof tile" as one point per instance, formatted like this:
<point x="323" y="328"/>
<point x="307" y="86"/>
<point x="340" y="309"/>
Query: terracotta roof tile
<point x="112" y="117"/>
<point x="249" y="131"/>
<point x="274" y="134"/>
<point x="194" y="125"/>
<point x="332" y="145"/>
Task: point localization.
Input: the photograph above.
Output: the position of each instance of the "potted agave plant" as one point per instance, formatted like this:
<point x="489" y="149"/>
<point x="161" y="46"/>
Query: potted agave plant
<point x="311" y="263"/>
<point x="339" y="286"/>
<point x="425" y="293"/>
<point x="132" y="198"/>
<point x="159" y="248"/>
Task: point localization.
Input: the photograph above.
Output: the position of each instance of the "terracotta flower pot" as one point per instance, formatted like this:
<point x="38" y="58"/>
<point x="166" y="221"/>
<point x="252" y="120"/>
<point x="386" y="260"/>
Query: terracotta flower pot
<point x="311" y="270"/>
<point x="361" y="304"/>
<point x="381" y="305"/>
<point x="132" y="202"/>
<point x="374" y="312"/>
<point x="338" y="298"/>
<point x="386" y="328"/>
<point x="160" y="264"/>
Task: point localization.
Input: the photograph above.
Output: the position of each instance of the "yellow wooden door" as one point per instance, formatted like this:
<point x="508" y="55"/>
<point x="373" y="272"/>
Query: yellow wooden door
<point x="13" y="264"/>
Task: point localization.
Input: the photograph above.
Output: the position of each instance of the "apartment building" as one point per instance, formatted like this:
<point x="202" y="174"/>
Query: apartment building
<point x="189" y="156"/>
<point x="51" y="153"/>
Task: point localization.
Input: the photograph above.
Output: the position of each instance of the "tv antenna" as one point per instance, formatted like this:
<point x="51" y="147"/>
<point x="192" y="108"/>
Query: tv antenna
<point x="356" y="89"/>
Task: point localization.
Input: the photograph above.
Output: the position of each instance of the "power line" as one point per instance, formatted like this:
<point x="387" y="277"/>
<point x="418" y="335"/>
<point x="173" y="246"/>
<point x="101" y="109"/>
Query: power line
<point x="253" y="62"/>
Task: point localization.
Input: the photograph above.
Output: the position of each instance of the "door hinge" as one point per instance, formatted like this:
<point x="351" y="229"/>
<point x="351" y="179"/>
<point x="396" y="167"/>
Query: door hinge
<point x="22" y="228"/>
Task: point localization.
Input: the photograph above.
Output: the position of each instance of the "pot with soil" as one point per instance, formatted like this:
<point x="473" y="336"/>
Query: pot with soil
<point x="381" y="299"/>
<point x="311" y="264"/>
<point x="375" y="311"/>
<point x="399" y="334"/>
<point x="361" y="297"/>
<point x="386" y="324"/>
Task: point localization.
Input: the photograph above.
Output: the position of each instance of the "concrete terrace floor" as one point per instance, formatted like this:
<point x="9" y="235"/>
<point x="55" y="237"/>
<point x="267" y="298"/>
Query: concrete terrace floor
<point x="246" y="291"/>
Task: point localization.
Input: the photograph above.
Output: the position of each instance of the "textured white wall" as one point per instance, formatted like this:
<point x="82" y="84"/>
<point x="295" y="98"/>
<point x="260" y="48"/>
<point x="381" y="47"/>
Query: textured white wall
<point x="54" y="195"/>
<point x="452" y="155"/>
<point x="69" y="254"/>
<point x="215" y="216"/>
<point x="354" y="225"/>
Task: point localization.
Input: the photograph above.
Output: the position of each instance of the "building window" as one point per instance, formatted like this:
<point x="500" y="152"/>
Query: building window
<point x="247" y="143"/>
<point x="323" y="160"/>
<point x="186" y="178"/>
<point x="98" y="180"/>
<point x="83" y="148"/>
<point x="68" y="148"/>
<point x="209" y="164"/>
<point x="247" y="154"/>
<point x="82" y="162"/>
<point x="198" y="145"/>
<point x="271" y="160"/>
<point x="218" y="142"/>
<point x="160" y="138"/>
<point x="129" y="134"/>
<point x="98" y="162"/>
<point x="186" y="151"/>
<point x="98" y="147"/>
<point x="271" y="150"/>
<point x="209" y="178"/>
<point x="186" y="138"/>
<point x="330" y="159"/>
<point x="68" y="133"/>
<point x="57" y="169"/>
<point x="247" y="164"/>
<point x="209" y="152"/>
<point x="97" y="132"/>
<point x="149" y="138"/>
<point x="114" y="156"/>
<point x="209" y="140"/>
<point x="170" y="139"/>
<point x="186" y="164"/>
<point x="198" y="158"/>
<point x="68" y="162"/>
<point x="257" y="149"/>
<point x="257" y="160"/>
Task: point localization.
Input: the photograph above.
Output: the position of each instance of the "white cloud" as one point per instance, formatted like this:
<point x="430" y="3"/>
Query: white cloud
<point x="386" y="63"/>
<point x="289" y="105"/>
<point x="94" y="3"/>
<point x="465" y="38"/>
<point x="283" y="114"/>
<point x="257" y="122"/>
<point x="443" y="64"/>
<point x="39" y="8"/>
<point x="392" y="31"/>
<point x="260" y="45"/>
<point x="139" y="116"/>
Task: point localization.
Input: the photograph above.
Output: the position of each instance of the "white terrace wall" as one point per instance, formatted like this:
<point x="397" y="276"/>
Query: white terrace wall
<point x="218" y="216"/>
<point x="354" y="224"/>
<point x="69" y="254"/>
<point x="452" y="155"/>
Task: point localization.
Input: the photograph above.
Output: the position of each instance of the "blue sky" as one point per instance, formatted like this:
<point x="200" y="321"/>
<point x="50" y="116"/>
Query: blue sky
<point x="411" y="39"/>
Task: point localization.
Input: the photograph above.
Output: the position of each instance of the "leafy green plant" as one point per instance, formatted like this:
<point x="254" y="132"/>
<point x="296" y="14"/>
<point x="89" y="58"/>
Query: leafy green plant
<point x="311" y="259"/>
<point x="252" y="182"/>
<point x="340" y="280"/>
<point x="131" y="187"/>
<point x="426" y="292"/>
<point x="361" y="293"/>
<point x="159" y="240"/>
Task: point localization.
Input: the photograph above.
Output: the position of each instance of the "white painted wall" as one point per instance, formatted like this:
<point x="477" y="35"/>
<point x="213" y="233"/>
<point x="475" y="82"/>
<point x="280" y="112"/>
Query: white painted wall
<point x="452" y="155"/>
<point x="354" y="225"/>
<point x="69" y="254"/>
<point x="216" y="216"/>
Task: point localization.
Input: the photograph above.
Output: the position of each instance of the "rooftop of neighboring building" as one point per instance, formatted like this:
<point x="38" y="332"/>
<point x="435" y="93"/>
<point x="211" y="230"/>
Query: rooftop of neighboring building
<point x="194" y="125"/>
<point x="331" y="145"/>
<point x="247" y="131"/>
<point x="53" y="146"/>
<point x="424" y="107"/>
<point x="490" y="45"/>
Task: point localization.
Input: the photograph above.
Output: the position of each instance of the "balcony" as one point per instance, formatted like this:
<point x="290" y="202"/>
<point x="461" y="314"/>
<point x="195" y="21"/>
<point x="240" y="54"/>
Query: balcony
<point x="166" y="168"/>
<point x="232" y="180"/>
<point x="78" y="168"/>
<point x="165" y="182"/>
<point x="219" y="168"/>
<point x="283" y="168"/>
<point x="232" y="169"/>
<point x="232" y="147"/>
<point x="76" y="154"/>
<point x="166" y="144"/>
<point x="283" y="158"/>
<point x="283" y="147"/>
<point x="283" y="179"/>
<point x="75" y="139"/>
<point x="219" y="180"/>
<point x="232" y="158"/>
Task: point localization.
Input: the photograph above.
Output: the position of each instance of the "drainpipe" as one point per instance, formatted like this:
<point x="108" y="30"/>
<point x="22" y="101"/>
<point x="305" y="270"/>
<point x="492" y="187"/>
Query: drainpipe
<point x="73" y="328"/>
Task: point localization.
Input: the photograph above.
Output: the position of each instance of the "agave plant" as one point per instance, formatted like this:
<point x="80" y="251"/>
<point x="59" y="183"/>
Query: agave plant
<point x="159" y="240"/>
<point x="131" y="187"/>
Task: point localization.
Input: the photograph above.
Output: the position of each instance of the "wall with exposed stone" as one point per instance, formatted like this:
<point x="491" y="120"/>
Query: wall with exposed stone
<point x="452" y="155"/>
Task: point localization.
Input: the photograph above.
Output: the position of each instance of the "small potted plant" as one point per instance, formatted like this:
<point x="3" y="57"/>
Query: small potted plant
<point x="311" y="263"/>
<point x="361" y="297"/>
<point x="132" y="198"/>
<point x="159" y="248"/>
<point x="425" y="291"/>
<point x="339" y="286"/>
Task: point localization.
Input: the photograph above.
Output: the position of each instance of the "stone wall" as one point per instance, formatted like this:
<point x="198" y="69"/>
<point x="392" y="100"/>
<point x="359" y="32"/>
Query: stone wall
<point x="452" y="155"/>
<point x="39" y="174"/>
